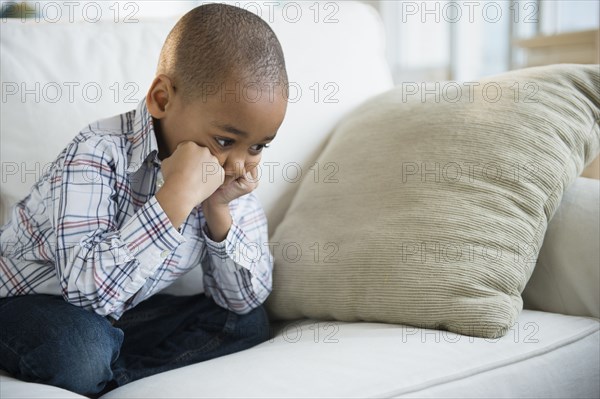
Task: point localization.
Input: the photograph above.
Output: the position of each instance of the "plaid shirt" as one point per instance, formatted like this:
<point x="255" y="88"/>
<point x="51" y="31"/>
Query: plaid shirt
<point x="92" y="231"/>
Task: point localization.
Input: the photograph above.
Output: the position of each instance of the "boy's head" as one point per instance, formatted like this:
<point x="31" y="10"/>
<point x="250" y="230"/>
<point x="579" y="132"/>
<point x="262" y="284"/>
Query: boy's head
<point x="222" y="83"/>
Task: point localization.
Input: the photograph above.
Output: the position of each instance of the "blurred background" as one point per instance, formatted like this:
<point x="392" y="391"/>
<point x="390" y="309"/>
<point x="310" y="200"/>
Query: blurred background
<point x="426" y="40"/>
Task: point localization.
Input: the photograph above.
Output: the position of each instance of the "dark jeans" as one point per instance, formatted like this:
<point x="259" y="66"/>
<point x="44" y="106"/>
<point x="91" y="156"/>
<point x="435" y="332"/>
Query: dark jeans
<point x="45" y="339"/>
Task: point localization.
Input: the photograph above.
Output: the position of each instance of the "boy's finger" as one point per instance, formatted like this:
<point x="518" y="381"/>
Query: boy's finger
<point x="252" y="179"/>
<point x="180" y="143"/>
<point x="183" y="142"/>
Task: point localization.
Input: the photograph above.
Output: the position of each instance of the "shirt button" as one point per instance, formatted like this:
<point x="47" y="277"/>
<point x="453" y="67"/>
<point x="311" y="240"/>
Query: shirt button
<point x="165" y="253"/>
<point x="159" y="182"/>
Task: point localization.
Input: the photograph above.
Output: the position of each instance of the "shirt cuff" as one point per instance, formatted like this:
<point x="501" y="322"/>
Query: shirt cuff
<point x="150" y="237"/>
<point x="234" y="247"/>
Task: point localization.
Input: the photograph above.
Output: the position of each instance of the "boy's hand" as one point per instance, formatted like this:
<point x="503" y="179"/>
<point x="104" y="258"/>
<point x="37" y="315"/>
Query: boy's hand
<point x="191" y="174"/>
<point x="243" y="185"/>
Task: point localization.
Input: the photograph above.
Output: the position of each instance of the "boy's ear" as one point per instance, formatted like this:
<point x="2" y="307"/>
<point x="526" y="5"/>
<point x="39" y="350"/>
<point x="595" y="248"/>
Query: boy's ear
<point x="160" y="96"/>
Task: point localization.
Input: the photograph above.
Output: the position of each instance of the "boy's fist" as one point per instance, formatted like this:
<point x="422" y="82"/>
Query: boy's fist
<point x="244" y="184"/>
<point x="192" y="172"/>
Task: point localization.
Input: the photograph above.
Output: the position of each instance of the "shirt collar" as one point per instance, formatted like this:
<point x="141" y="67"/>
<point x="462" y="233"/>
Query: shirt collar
<point x="142" y="136"/>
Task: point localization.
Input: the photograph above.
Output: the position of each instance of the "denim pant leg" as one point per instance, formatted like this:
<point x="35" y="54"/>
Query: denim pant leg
<point x="44" y="339"/>
<point x="166" y="332"/>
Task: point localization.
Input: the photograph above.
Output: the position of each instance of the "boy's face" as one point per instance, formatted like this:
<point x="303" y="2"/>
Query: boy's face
<point x="235" y="127"/>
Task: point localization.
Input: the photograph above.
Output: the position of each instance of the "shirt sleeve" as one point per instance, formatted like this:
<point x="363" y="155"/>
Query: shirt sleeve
<point x="98" y="264"/>
<point x="238" y="270"/>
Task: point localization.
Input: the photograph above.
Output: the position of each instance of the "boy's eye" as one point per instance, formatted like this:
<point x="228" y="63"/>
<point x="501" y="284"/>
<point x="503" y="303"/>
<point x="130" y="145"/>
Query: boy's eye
<point x="259" y="147"/>
<point x="224" y="142"/>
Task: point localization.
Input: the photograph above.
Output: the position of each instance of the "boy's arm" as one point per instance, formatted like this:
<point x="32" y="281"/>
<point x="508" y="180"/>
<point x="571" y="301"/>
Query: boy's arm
<point x="238" y="270"/>
<point x="98" y="265"/>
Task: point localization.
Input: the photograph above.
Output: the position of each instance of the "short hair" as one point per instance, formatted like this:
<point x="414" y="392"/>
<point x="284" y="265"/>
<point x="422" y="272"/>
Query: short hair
<point x="216" y="42"/>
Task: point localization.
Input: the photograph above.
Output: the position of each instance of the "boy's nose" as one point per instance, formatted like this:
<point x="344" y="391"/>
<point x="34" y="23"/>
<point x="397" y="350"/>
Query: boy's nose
<point x="234" y="170"/>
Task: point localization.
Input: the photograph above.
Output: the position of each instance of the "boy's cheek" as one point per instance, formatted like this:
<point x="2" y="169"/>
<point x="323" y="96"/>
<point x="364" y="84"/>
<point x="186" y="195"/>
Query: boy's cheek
<point x="254" y="168"/>
<point x="216" y="151"/>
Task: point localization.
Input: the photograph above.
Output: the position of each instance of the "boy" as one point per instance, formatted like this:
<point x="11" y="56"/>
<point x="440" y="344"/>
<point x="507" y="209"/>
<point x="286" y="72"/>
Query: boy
<point x="135" y="202"/>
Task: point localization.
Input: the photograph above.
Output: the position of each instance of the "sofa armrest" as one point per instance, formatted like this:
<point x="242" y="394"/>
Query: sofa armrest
<point x="566" y="278"/>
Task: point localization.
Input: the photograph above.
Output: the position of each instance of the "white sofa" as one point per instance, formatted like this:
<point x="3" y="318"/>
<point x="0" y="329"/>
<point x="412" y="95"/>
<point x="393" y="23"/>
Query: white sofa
<point x="51" y="73"/>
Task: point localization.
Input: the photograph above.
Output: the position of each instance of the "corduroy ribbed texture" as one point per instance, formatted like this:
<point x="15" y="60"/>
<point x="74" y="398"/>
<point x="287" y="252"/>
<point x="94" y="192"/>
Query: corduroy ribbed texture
<point x="434" y="209"/>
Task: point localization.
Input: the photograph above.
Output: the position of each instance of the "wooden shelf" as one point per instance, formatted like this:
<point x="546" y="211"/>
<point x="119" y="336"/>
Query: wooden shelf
<point x="581" y="47"/>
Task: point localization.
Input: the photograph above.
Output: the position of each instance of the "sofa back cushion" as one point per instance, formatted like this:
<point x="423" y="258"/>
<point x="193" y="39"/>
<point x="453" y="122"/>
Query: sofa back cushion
<point x="566" y="278"/>
<point x="58" y="77"/>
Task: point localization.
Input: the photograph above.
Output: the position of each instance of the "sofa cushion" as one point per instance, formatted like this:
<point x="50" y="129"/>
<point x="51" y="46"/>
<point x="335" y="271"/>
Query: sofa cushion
<point x="566" y="278"/>
<point x="48" y="72"/>
<point x="440" y="203"/>
<point x="329" y="359"/>
<point x="543" y="355"/>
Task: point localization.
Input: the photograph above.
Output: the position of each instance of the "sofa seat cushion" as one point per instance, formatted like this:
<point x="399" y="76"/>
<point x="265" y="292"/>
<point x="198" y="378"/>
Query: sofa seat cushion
<point x="309" y="358"/>
<point x="11" y="388"/>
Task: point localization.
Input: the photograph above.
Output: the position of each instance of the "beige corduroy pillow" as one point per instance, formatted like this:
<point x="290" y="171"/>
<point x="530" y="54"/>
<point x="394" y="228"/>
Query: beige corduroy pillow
<point x="439" y="202"/>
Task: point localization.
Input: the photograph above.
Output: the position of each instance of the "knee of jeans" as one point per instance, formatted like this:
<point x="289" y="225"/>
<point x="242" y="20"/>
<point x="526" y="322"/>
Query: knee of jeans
<point x="76" y="357"/>
<point x="254" y="325"/>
